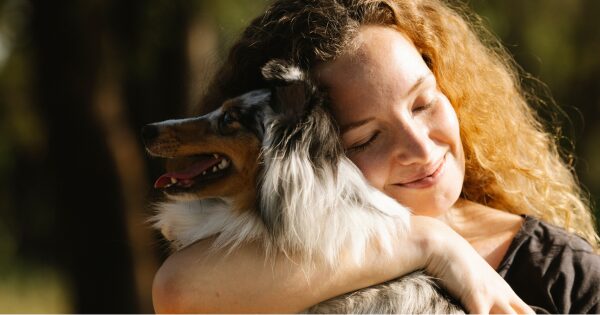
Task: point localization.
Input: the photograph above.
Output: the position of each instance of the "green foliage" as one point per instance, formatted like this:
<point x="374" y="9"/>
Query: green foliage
<point x="558" y="42"/>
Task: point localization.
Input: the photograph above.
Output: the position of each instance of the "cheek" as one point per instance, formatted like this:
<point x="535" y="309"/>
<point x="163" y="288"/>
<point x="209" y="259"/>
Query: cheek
<point x="373" y="167"/>
<point x="449" y="131"/>
<point x="445" y="128"/>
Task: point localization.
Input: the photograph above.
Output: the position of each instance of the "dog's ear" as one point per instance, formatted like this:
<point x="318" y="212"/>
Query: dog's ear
<point x="291" y="88"/>
<point x="281" y="73"/>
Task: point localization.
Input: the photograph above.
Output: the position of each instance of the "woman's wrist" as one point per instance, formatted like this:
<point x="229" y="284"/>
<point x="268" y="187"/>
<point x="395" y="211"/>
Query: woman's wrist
<point x="463" y="272"/>
<point x="412" y="251"/>
<point x="448" y="255"/>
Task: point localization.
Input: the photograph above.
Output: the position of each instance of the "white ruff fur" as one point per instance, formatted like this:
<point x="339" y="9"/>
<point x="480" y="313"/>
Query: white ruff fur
<point x="185" y="222"/>
<point x="321" y="223"/>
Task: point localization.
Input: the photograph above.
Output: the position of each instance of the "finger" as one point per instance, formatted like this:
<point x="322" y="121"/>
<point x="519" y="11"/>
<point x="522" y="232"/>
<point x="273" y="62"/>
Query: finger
<point x="522" y="308"/>
<point x="502" y="308"/>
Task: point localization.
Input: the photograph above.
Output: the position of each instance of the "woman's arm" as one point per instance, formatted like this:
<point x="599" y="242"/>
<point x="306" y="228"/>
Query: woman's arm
<point x="195" y="280"/>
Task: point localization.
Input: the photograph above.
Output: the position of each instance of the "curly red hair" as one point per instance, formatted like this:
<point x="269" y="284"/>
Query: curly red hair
<point x="512" y="162"/>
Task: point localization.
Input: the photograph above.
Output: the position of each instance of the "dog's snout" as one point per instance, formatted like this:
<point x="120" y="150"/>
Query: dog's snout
<point x="149" y="133"/>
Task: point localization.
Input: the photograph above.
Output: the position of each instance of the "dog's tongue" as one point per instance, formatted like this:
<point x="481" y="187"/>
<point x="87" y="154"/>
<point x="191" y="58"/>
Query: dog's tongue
<point x="194" y="170"/>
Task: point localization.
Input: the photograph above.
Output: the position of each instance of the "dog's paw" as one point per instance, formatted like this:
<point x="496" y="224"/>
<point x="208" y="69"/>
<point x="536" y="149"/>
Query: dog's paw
<point x="281" y="72"/>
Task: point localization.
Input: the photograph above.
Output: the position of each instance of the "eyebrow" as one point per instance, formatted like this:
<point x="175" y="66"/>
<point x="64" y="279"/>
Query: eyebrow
<point x="355" y="124"/>
<point x="359" y="123"/>
<point x="419" y="82"/>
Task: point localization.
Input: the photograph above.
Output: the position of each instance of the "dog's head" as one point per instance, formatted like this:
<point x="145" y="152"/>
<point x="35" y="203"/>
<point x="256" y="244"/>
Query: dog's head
<point x="217" y="155"/>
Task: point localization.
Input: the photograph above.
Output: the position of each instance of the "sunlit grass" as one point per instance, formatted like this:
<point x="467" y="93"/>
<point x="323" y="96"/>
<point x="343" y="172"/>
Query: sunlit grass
<point x="34" y="290"/>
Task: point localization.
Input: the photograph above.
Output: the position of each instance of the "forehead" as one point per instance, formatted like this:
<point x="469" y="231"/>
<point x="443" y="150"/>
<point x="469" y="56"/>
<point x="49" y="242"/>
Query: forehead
<point x="382" y="68"/>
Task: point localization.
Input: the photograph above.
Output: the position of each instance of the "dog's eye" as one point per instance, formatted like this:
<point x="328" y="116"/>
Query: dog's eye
<point x="229" y="120"/>
<point x="229" y="117"/>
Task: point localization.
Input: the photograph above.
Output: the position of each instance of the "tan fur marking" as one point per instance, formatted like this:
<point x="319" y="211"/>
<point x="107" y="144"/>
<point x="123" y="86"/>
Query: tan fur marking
<point x="182" y="142"/>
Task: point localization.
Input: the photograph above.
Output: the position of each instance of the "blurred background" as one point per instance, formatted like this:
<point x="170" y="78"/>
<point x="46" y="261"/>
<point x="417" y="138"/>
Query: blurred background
<point x="78" y="79"/>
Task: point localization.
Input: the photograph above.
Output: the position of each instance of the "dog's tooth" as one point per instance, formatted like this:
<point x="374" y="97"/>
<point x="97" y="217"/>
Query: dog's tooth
<point x="204" y="173"/>
<point x="222" y="165"/>
<point x="214" y="169"/>
<point x="173" y="180"/>
<point x="216" y="156"/>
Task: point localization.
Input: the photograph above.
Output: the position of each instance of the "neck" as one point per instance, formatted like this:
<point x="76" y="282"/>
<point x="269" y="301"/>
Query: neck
<point x="490" y="231"/>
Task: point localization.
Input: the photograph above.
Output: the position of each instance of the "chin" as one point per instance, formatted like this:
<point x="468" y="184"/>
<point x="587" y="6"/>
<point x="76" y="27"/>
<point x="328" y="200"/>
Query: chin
<point x="433" y="210"/>
<point x="433" y="202"/>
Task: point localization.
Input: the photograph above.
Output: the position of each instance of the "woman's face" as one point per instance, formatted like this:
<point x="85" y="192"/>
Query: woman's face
<point x="396" y="125"/>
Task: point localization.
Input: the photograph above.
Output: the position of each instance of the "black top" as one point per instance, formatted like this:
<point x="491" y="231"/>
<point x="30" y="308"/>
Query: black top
<point x="552" y="270"/>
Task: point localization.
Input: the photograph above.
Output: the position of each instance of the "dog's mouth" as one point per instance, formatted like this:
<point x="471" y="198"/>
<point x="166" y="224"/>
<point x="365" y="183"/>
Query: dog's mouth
<point x="205" y="168"/>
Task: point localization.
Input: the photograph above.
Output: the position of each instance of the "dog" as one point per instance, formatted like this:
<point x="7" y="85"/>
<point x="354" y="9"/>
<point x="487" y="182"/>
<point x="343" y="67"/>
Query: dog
<point x="268" y="166"/>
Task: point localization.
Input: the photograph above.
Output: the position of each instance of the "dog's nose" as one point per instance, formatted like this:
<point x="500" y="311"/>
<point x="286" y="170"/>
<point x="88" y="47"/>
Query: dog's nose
<point x="149" y="133"/>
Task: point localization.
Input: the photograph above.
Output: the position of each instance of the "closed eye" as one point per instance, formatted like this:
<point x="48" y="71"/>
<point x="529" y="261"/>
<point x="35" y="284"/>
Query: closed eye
<point x="422" y="108"/>
<point x="362" y="145"/>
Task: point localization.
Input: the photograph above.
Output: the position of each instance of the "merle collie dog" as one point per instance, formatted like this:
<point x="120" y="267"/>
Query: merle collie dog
<point x="268" y="167"/>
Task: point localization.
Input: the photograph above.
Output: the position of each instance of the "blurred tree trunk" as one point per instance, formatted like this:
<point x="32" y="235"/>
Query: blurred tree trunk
<point x="94" y="100"/>
<point x="89" y="207"/>
<point x="126" y="154"/>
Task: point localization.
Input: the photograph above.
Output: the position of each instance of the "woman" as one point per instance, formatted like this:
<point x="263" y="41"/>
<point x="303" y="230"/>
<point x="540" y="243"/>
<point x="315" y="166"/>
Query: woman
<point x="436" y="119"/>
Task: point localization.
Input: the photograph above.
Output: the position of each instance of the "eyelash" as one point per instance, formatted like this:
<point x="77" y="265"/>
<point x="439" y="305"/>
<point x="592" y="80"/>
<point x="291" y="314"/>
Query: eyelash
<point x="363" y="146"/>
<point x="425" y="107"/>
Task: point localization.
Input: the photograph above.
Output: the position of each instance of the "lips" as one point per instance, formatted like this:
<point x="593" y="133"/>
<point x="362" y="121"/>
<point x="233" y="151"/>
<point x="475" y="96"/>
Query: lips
<point x="426" y="178"/>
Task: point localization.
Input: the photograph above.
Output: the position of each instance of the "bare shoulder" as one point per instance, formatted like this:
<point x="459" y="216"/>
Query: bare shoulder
<point x="168" y="291"/>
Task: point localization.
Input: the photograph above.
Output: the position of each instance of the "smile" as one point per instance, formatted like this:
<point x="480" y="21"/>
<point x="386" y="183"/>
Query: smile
<point x="428" y="180"/>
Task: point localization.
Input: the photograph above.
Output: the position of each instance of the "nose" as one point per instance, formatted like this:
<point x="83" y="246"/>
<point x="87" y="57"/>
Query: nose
<point x="149" y="133"/>
<point x="414" y="144"/>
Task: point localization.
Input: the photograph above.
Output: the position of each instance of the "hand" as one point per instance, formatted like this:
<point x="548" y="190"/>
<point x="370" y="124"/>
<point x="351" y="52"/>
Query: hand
<point x="467" y="276"/>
